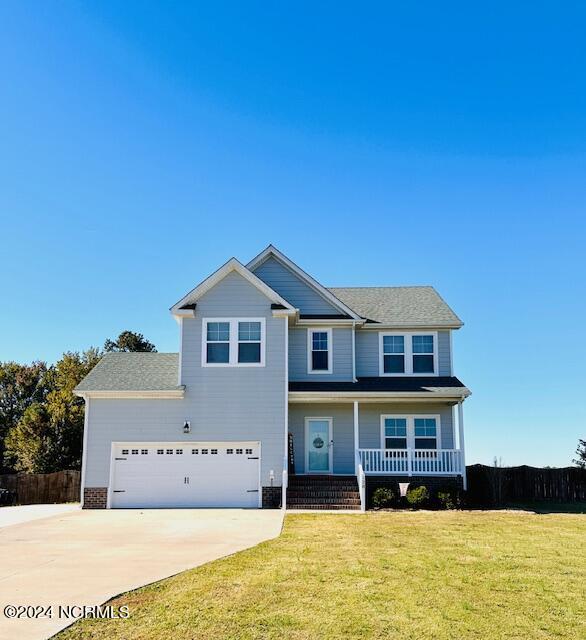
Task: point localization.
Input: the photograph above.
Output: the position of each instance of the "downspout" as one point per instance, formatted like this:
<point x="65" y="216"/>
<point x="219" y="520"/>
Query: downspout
<point x="354" y="351"/>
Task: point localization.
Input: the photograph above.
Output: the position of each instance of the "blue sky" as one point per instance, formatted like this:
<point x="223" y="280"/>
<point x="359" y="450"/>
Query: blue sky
<point x="141" y="145"/>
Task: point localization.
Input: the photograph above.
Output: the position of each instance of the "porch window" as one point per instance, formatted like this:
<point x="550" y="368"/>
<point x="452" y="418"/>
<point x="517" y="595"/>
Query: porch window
<point x="395" y="433"/>
<point x="425" y="433"/>
<point x="249" y="342"/>
<point x="319" y="351"/>
<point x="218" y="342"/>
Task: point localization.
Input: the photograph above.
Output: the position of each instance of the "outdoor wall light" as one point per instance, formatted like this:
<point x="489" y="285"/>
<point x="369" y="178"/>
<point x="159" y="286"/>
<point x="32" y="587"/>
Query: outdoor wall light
<point x="187" y="427"/>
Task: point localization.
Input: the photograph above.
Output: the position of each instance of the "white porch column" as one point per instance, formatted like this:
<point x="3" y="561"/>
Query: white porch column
<point x="461" y="442"/>
<point x="356" y="436"/>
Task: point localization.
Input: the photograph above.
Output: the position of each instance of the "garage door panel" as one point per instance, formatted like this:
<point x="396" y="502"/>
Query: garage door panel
<point x="198" y="474"/>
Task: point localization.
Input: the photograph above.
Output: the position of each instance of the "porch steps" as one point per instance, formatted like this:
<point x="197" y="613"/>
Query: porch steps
<point x="323" y="492"/>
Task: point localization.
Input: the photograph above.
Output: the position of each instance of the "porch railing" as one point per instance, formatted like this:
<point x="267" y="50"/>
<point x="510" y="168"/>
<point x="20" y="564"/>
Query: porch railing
<point x="411" y="462"/>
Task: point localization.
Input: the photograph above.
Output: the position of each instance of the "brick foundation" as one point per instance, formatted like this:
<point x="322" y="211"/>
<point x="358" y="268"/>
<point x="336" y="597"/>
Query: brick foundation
<point x="271" y="497"/>
<point x="95" y="497"/>
<point x="431" y="482"/>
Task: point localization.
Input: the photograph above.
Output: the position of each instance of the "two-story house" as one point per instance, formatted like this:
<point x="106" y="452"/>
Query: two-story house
<point x="279" y="382"/>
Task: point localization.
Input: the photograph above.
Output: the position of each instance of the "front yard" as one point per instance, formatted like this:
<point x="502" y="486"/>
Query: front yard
<point x="416" y="575"/>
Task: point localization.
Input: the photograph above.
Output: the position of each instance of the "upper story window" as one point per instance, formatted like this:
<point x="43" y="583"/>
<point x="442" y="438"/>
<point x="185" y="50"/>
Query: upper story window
<point x="412" y="353"/>
<point x="233" y="342"/>
<point x="319" y="351"/>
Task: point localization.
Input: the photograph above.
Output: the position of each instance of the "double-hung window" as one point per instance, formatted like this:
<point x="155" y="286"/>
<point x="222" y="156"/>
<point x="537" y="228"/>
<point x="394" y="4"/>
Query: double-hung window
<point x="395" y="433"/>
<point x="233" y="342"/>
<point x="218" y="343"/>
<point x="394" y="354"/>
<point x="319" y="351"/>
<point x="425" y="433"/>
<point x="249" y="342"/>
<point x="407" y="353"/>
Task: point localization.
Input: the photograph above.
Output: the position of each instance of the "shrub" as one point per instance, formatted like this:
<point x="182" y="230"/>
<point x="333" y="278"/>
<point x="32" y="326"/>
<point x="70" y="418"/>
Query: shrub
<point x="418" y="496"/>
<point x="384" y="497"/>
<point x="449" y="498"/>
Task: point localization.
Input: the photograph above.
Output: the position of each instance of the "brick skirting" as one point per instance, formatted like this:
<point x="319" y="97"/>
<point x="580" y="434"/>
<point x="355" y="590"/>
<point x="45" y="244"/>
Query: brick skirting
<point x="271" y="497"/>
<point x="431" y="482"/>
<point x="95" y="497"/>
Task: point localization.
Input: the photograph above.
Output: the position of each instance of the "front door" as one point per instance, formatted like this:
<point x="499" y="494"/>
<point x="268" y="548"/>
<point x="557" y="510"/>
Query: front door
<point x="318" y="438"/>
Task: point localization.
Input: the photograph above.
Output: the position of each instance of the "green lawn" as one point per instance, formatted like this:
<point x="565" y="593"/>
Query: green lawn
<point x="420" y="575"/>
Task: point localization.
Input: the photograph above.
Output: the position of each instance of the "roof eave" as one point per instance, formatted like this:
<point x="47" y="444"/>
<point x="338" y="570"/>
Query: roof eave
<point x="123" y="394"/>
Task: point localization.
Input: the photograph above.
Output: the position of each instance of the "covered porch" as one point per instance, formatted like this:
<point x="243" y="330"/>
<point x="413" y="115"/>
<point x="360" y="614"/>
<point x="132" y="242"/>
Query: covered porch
<point x="383" y="437"/>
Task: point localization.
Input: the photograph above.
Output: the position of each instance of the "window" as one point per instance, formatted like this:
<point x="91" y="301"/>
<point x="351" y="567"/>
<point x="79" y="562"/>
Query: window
<point x="159" y="451"/>
<point x="204" y="452"/>
<point x="410" y="432"/>
<point x="195" y="451"/>
<point x="144" y="452"/>
<point x="394" y="354"/>
<point x="319" y="351"/>
<point x="238" y="451"/>
<point x="422" y="354"/>
<point x="425" y="433"/>
<point x="218" y="342"/>
<point x="229" y="451"/>
<point x="124" y="452"/>
<point x="395" y="433"/>
<point x="233" y="342"/>
<point x="169" y="452"/>
<point x="134" y="452"/>
<point x="249" y="342"/>
<point x="214" y="452"/>
<point x="249" y="452"/>
<point x="407" y="353"/>
<point x="179" y="452"/>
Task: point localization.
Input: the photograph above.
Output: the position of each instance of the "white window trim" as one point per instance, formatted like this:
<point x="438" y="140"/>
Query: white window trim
<point x="233" y="354"/>
<point x="408" y="335"/>
<point x="310" y="333"/>
<point x="411" y="428"/>
<point x="330" y="422"/>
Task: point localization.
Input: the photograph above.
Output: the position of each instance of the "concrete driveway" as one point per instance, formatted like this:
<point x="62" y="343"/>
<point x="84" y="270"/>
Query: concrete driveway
<point x="26" y="513"/>
<point x="87" y="557"/>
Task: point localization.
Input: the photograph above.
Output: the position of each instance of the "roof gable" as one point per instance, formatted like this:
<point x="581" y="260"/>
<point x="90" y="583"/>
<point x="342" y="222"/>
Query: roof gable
<point x="233" y="265"/>
<point x="302" y="291"/>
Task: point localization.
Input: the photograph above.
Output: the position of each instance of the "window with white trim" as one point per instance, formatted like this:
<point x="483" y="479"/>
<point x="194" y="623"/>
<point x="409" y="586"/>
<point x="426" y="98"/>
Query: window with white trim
<point x="319" y="351"/>
<point x="248" y="342"/>
<point x="410" y="432"/>
<point x="425" y="433"/>
<point x="233" y="342"/>
<point x="408" y="353"/>
<point x="395" y="433"/>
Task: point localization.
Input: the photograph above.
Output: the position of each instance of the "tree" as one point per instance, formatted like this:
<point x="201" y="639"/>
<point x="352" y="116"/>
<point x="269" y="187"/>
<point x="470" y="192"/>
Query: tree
<point x="581" y="451"/>
<point x="21" y="385"/>
<point x="49" y="435"/>
<point x="129" y="341"/>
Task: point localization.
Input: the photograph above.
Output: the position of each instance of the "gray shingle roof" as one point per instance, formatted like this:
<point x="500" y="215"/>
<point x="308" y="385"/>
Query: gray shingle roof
<point x="133" y="372"/>
<point x="399" y="306"/>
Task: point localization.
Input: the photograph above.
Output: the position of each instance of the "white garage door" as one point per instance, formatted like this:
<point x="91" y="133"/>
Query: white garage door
<point x="185" y="474"/>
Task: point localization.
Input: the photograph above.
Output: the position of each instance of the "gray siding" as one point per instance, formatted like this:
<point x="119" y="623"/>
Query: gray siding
<point x="444" y="355"/>
<point x="292" y="288"/>
<point x="226" y="403"/>
<point x="369" y="420"/>
<point x="343" y="432"/>
<point x="341" y="352"/>
<point x="367" y="353"/>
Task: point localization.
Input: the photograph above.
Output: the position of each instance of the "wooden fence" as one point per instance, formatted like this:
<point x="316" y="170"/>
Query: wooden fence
<point x="495" y="486"/>
<point x="39" y="488"/>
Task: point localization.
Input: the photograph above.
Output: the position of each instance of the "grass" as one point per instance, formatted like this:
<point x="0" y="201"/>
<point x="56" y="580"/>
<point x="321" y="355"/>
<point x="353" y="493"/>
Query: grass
<point x="401" y="575"/>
